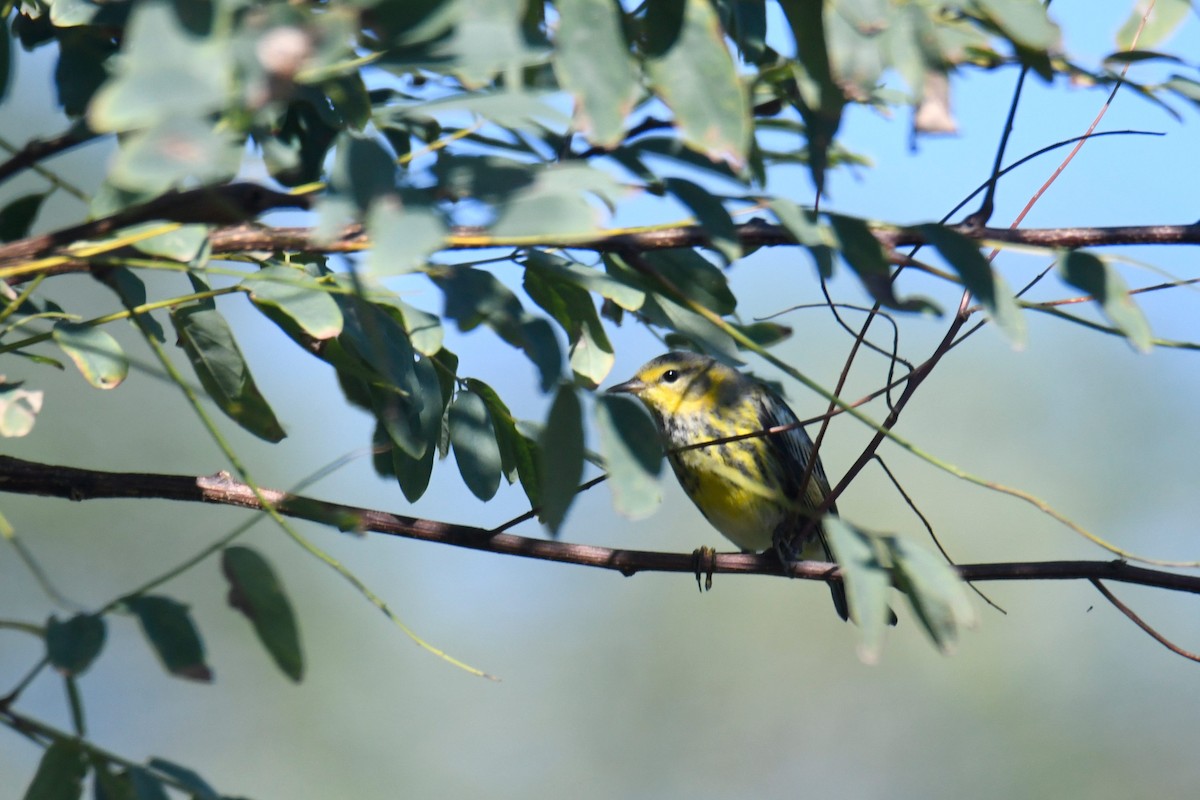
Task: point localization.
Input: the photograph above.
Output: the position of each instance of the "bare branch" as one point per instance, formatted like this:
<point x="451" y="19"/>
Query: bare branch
<point x="36" y="150"/>
<point x="238" y="203"/>
<point x="754" y="233"/>
<point x="232" y="203"/>
<point x="27" y="477"/>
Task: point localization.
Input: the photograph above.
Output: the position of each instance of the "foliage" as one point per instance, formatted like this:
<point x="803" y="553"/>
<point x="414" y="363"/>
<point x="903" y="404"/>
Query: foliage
<point x="512" y="126"/>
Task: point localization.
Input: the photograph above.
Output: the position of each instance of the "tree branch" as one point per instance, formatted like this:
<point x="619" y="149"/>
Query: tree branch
<point x="26" y="477"/>
<point x="36" y="150"/>
<point x="237" y="203"/>
<point x="227" y="204"/>
<point x="755" y="233"/>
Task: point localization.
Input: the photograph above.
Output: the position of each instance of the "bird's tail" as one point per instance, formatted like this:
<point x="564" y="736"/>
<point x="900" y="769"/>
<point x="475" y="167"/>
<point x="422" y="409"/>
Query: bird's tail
<point x="836" y="588"/>
<point x="839" y="600"/>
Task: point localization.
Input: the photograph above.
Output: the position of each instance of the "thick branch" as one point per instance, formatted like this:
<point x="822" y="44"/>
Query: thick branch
<point x="27" y="477"/>
<point x="238" y="203"/>
<point x="228" y="204"/>
<point x="755" y="233"/>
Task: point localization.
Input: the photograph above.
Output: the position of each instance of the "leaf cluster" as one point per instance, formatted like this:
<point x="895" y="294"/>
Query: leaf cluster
<point x="496" y="125"/>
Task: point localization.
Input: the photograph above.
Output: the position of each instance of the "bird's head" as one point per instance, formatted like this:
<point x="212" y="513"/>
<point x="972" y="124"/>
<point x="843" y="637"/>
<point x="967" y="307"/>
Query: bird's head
<point x="680" y="383"/>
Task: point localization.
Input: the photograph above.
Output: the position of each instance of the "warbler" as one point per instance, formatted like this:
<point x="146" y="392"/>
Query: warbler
<point x="749" y="489"/>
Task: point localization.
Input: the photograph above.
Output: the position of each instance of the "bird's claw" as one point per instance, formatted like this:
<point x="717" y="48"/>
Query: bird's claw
<point x="705" y="560"/>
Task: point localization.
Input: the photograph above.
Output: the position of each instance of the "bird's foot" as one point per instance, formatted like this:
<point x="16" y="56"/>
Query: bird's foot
<point x="705" y="560"/>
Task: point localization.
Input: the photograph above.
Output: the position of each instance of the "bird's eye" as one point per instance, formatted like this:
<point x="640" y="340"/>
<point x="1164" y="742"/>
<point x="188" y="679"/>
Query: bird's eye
<point x="670" y="376"/>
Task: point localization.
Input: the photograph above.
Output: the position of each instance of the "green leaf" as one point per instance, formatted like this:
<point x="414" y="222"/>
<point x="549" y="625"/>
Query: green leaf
<point x="70" y="13"/>
<point x="196" y="786"/>
<point x="866" y="573"/>
<point x="17" y="217"/>
<point x="5" y="57"/>
<point x="94" y="352"/>
<point x="402" y="238"/>
<point x="400" y="416"/>
<point x="865" y="255"/>
<point x="541" y="345"/>
<point x="73" y="645"/>
<point x="208" y="341"/>
<point x="507" y="108"/>
<point x="1167" y="16"/>
<point x="147" y="89"/>
<point x="804" y="226"/>
<point x="187" y="244"/>
<point x="821" y="100"/>
<point x="1102" y="281"/>
<point x="490" y="179"/>
<point x="696" y="277"/>
<point x="625" y="293"/>
<point x="413" y="473"/>
<point x="475" y="447"/>
<point x="692" y="72"/>
<point x="111" y="785"/>
<point x="561" y="447"/>
<point x="60" y="773"/>
<point x="18" y="408"/>
<point x="697" y="330"/>
<point x="860" y="248"/>
<point x="936" y="591"/>
<point x="632" y="455"/>
<point x="174" y="150"/>
<point x="424" y="329"/>
<point x="132" y="291"/>
<point x="82" y="67"/>
<point x="474" y="296"/>
<point x="487" y="39"/>
<point x="167" y="625"/>
<point x="1186" y="88"/>
<point x="711" y="215"/>
<point x="747" y="27"/>
<point x="255" y="590"/>
<point x="591" y="353"/>
<point x="295" y="302"/>
<point x="986" y="284"/>
<point x="560" y="201"/>
<point x="363" y="171"/>
<point x="529" y="468"/>
<point x="765" y="334"/>
<point x="503" y="424"/>
<point x="377" y="350"/>
<point x="1023" y="22"/>
<point x="146" y="785"/>
<point x="592" y="62"/>
<point x="802" y="223"/>
<point x="518" y="453"/>
<point x="372" y="332"/>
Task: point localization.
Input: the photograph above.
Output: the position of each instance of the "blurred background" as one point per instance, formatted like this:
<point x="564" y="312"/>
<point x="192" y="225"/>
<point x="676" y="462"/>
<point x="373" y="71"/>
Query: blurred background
<point x="643" y="687"/>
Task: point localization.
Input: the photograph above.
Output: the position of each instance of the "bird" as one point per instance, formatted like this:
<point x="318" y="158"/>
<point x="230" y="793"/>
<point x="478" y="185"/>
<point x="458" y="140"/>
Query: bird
<point x="749" y="489"/>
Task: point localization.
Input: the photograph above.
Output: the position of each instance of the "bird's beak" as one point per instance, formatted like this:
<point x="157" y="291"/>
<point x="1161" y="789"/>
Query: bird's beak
<point x="632" y="386"/>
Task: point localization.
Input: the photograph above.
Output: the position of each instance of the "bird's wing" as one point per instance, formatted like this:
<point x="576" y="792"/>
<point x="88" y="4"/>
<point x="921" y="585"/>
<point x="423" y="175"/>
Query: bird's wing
<point x="793" y="450"/>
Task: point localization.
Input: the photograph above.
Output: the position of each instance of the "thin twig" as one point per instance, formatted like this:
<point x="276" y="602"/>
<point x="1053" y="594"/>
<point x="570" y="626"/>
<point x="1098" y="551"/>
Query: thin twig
<point x="1141" y="623"/>
<point x="929" y="529"/>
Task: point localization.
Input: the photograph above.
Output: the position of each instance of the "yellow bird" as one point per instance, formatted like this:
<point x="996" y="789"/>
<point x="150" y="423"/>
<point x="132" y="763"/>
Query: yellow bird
<point x="748" y="489"/>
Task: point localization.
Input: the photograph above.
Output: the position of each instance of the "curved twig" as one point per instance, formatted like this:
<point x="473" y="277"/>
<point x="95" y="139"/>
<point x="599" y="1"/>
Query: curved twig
<point x="1141" y="623"/>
